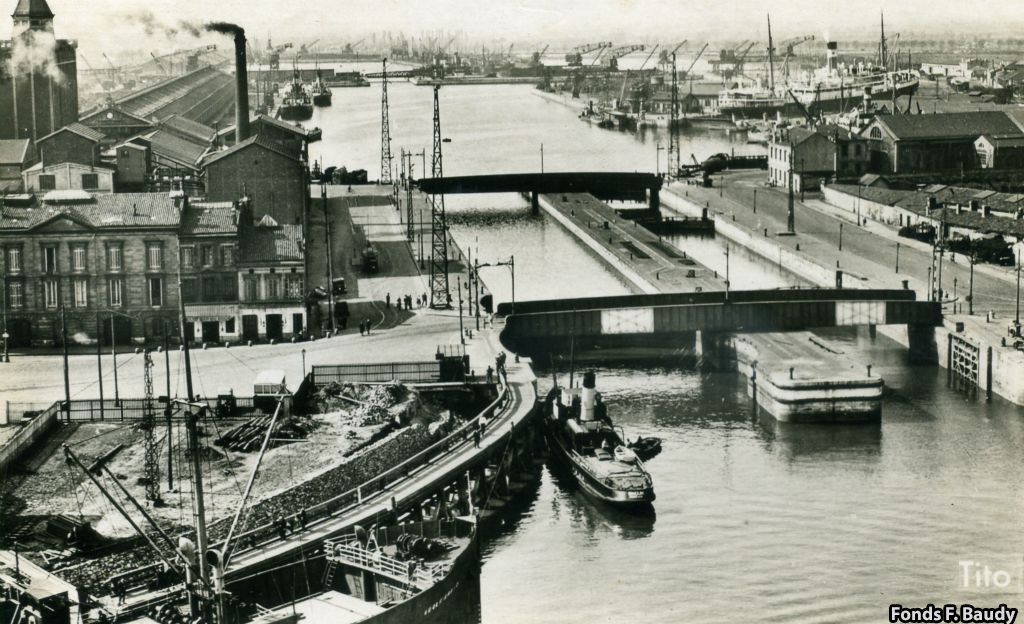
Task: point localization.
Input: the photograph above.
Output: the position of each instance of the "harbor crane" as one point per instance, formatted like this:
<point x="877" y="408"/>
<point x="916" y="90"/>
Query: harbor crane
<point x="696" y="58"/>
<point x="113" y="69"/>
<point x="575" y="56"/>
<point x="665" y="58"/>
<point x="350" y="47"/>
<point x="304" y="48"/>
<point x="274" y="54"/>
<point x="614" y="55"/>
<point x="156" y="59"/>
<point x="537" y="56"/>
<point x="787" y="45"/>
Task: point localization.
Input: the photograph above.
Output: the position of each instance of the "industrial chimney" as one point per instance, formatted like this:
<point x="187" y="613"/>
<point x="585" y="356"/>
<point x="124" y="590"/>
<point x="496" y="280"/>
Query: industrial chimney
<point x="241" y="78"/>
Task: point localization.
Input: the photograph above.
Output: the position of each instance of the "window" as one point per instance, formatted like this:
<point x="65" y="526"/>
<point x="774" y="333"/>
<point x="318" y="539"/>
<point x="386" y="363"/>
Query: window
<point x="50" y="293"/>
<point x="114" y="257"/>
<point x="47" y="183"/>
<point x="229" y="288"/>
<point x="294" y="286"/>
<point x="249" y="284"/>
<point x="209" y="288"/>
<point x="15" y="294"/>
<point x="207" y="256"/>
<point x="81" y="292"/>
<point x="114" y="292"/>
<point x="156" y="291"/>
<point x="78" y="257"/>
<point x="875" y="133"/>
<point x="227" y="254"/>
<point x="273" y="287"/>
<point x="49" y="260"/>
<point x="90" y="181"/>
<point x="229" y="326"/>
<point x="188" y="290"/>
<point x="154" y="256"/>
<point x="187" y="257"/>
<point x="14" y="259"/>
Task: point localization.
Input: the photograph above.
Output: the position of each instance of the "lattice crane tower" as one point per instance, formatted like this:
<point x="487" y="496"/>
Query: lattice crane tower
<point x="151" y="468"/>
<point x="385" y="130"/>
<point x="439" y="293"/>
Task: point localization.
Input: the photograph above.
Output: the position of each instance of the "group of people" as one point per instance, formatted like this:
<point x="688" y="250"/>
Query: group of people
<point x="406" y="301"/>
<point x="364" y="327"/>
<point x="285" y="525"/>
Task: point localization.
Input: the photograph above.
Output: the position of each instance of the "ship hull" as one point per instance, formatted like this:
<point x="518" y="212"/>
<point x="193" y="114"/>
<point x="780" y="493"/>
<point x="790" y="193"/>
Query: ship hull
<point x="322" y="99"/>
<point x="832" y="100"/>
<point x="295" y="112"/>
<point x="633" y="499"/>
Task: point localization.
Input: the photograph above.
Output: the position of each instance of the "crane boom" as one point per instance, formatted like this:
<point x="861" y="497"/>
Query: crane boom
<point x="695" y="59"/>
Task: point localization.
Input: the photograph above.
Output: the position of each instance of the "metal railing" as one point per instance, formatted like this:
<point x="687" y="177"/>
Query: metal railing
<point x="354" y="497"/>
<point x="121" y="410"/>
<point x="27" y="436"/>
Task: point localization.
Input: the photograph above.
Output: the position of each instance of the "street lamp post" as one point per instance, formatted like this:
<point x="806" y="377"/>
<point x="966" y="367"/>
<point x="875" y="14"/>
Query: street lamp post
<point x="755" y="201"/>
<point x="542" y="158"/>
<point x="898" y="258"/>
<point x="658" y="149"/>
<point x="840" y="236"/>
<point x="303" y="363"/>
<point x="6" y="336"/>
<point x="1016" y="316"/>
<point x="970" y="289"/>
<point x="462" y="331"/>
<point x="727" y="271"/>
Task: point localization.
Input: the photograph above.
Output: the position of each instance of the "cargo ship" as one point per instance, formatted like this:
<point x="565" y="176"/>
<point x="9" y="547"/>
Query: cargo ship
<point x="834" y="88"/>
<point x="321" y="92"/>
<point x="296" y="104"/>
<point x="582" y="436"/>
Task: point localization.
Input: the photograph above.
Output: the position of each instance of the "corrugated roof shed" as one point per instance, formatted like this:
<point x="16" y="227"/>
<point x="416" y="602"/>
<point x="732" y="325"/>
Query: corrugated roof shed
<point x="949" y="125"/>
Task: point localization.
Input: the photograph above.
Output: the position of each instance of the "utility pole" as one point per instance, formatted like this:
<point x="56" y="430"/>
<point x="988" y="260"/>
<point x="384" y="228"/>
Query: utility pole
<point x="462" y="331"/>
<point x="790" y="217"/>
<point x="185" y="339"/>
<point x="385" y="131"/>
<point x="67" y="380"/>
<point x="99" y="360"/>
<point x="476" y="284"/>
<point x="113" y="355"/>
<point x="440" y="297"/>
<point x="167" y="410"/>
<point x="150" y="467"/>
<point x="410" y="215"/>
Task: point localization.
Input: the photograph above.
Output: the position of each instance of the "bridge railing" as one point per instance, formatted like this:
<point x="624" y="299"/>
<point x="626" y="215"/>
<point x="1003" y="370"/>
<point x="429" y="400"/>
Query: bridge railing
<point x="354" y="497"/>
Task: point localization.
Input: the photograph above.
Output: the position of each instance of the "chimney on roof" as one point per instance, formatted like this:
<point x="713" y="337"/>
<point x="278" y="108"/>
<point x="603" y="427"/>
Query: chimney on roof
<point x="932" y="204"/>
<point x="974" y="205"/>
<point x="986" y="211"/>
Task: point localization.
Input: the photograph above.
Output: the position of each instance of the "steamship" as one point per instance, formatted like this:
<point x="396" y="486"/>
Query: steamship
<point x="296" y="105"/>
<point x="321" y="92"/>
<point x="582" y="436"/>
<point x="425" y="572"/>
<point x="830" y="89"/>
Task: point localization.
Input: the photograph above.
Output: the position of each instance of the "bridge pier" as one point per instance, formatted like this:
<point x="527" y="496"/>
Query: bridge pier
<point x="534" y="203"/>
<point x="921" y="345"/>
<point x="655" y="200"/>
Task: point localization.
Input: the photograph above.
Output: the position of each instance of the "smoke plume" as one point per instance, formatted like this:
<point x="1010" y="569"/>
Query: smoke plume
<point x="36" y="51"/>
<point x="152" y="25"/>
<point x="225" y="28"/>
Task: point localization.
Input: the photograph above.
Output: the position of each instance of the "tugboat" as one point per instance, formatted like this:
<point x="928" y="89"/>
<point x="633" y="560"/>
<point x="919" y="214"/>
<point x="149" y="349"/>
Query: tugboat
<point x="582" y="436"/>
<point x="296" y="104"/>
<point x="321" y="92"/>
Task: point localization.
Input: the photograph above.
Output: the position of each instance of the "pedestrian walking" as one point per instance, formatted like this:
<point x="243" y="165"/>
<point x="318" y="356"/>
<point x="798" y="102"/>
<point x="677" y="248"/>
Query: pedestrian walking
<point x="361" y="328"/>
<point x="120" y="590"/>
<point x="490" y="374"/>
<point x="387" y="301"/>
<point x="424" y="299"/>
<point x="367" y="321"/>
<point x="476" y="438"/>
<point x="302" y="518"/>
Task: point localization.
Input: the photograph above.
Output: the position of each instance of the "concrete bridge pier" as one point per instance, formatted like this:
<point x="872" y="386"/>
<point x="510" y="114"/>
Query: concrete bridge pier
<point x="922" y="348"/>
<point x="534" y="203"/>
<point x="655" y="201"/>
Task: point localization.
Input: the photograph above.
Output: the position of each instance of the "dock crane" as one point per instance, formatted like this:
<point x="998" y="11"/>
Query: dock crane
<point x="787" y="45"/>
<point x="113" y="69"/>
<point x="274" y="54"/>
<point x="696" y="58"/>
<point x="575" y="56"/>
<point x="615" y="54"/>
<point x="537" y="56"/>
<point x="156" y="59"/>
<point x="304" y="48"/>
<point x="665" y="58"/>
<point x="350" y="47"/>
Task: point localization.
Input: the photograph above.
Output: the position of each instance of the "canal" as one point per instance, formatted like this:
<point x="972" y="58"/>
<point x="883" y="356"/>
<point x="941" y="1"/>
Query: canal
<point x="755" y="520"/>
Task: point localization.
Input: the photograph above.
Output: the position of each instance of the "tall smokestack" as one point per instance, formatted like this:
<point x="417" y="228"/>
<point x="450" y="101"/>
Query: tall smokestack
<point x="831" y="56"/>
<point x="241" y="78"/>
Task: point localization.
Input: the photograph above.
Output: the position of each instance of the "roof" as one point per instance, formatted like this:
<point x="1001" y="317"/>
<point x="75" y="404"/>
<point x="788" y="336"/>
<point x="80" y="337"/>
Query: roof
<point x="258" y="139"/>
<point x="13" y="151"/>
<point x="271" y="244"/>
<point x="32" y="8"/>
<point x="1003" y="141"/>
<point x="80" y="129"/>
<point x="192" y="130"/>
<point x="173" y="147"/>
<point x="948" y="197"/>
<point x="949" y="125"/>
<point x="110" y="210"/>
<point x="209" y="218"/>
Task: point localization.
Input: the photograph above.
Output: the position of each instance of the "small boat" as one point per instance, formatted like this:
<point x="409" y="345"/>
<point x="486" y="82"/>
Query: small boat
<point x="582" y="436"/>
<point x="645" y="448"/>
<point x="314" y="134"/>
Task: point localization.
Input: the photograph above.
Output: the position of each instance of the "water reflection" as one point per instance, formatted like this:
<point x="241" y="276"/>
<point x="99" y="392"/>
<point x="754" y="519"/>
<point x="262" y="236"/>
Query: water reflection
<point x="594" y="516"/>
<point x="824" y="442"/>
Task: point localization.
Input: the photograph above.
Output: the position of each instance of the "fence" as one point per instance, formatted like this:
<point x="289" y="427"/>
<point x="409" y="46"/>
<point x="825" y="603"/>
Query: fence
<point x="408" y="372"/>
<point x="347" y="500"/>
<point x="28" y="435"/>
<point x="121" y="410"/>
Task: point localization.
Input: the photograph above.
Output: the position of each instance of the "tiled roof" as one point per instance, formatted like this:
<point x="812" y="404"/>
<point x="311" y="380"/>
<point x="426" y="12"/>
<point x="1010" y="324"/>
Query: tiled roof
<point x="212" y="218"/>
<point x="175" y="148"/>
<point x="271" y="244"/>
<point x="192" y="130"/>
<point x="111" y="210"/>
<point x="258" y="139"/>
<point x="949" y="125"/>
<point x="279" y="123"/>
<point x="80" y="129"/>
<point x="13" y="151"/>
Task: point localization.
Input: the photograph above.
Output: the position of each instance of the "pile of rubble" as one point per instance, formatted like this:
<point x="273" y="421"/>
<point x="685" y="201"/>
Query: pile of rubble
<point x="367" y="404"/>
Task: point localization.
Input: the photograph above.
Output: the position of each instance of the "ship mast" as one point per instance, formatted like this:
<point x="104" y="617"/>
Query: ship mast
<point x="882" y="52"/>
<point x="771" y="57"/>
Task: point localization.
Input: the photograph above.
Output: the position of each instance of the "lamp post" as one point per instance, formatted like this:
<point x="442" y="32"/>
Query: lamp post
<point x="970" y="289"/>
<point x="727" y="271"/>
<point x="542" y="158"/>
<point x="462" y="331"/>
<point x="755" y="201"/>
<point x="1016" y="317"/>
<point x="898" y="258"/>
<point x="303" y="363"/>
<point x="6" y="336"/>
<point x="658" y="149"/>
<point x="840" y="236"/>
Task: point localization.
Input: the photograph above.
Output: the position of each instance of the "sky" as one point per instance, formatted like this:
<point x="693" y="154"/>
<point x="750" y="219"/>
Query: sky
<point x="112" y="26"/>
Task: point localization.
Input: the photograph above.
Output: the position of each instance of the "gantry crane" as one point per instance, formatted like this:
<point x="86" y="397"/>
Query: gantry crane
<point x="575" y="56"/>
<point x="613" y="56"/>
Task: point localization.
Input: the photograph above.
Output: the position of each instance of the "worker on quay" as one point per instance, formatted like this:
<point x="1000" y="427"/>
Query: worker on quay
<point x="302" y="518"/>
<point x="476" y="437"/>
<point x="387" y="300"/>
<point x="490" y="374"/>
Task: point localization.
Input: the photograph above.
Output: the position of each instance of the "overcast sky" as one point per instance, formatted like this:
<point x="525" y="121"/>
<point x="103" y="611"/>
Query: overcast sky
<point x="105" y="24"/>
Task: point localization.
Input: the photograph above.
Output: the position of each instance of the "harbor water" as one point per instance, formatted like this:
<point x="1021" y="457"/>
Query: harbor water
<point x="755" y="520"/>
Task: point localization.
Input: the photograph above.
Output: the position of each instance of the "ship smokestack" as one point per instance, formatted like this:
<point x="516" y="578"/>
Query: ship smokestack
<point x="831" y="56"/>
<point x="241" y="77"/>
